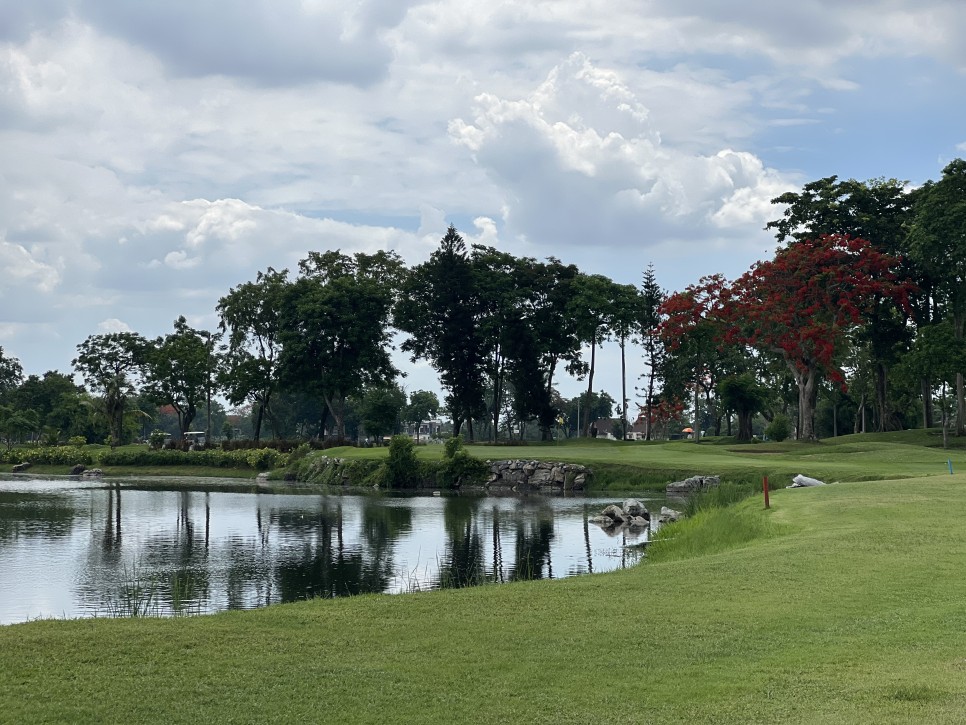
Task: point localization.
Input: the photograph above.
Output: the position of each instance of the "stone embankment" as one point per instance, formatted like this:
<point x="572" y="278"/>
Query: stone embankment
<point x="692" y="485"/>
<point x="521" y="475"/>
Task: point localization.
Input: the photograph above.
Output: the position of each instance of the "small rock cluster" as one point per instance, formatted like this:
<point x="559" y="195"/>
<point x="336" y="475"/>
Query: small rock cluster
<point x="633" y="514"/>
<point x="692" y="485"/>
<point x="537" y="475"/>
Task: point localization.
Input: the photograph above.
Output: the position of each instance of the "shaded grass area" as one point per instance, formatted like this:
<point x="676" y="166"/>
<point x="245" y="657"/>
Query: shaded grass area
<point x="840" y="604"/>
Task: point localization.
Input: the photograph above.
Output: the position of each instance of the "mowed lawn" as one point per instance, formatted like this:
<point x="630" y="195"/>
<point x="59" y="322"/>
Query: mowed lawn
<point x="846" y="458"/>
<point x="841" y="604"/>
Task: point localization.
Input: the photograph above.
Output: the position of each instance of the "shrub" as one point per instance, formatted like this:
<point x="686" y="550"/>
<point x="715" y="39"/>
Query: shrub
<point x="452" y="446"/>
<point x="459" y="469"/>
<point x="779" y="429"/>
<point x="77" y="441"/>
<point x="402" y="467"/>
<point x="156" y="439"/>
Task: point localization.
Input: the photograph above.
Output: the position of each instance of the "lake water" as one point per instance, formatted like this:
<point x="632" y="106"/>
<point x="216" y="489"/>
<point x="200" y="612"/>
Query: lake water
<point x="76" y="548"/>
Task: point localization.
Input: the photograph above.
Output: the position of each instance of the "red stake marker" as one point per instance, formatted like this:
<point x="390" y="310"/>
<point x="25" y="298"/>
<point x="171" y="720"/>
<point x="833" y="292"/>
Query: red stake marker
<point x="765" y="488"/>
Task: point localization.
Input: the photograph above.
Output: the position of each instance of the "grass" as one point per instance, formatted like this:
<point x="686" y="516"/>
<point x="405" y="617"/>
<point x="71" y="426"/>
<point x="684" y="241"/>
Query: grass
<point x="635" y="465"/>
<point x="173" y="471"/>
<point x="841" y="603"/>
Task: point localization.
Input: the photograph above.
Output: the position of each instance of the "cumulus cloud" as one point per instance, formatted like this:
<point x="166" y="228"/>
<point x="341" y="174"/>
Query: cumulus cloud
<point x="113" y="324"/>
<point x="581" y="164"/>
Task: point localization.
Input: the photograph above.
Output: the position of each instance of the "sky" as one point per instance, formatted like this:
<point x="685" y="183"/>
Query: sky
<point x="154" y="155"/>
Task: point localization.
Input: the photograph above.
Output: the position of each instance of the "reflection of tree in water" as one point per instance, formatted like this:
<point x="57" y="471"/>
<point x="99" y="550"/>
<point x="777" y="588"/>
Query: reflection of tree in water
<point x="462" y="561"/>
<point x="40" y="515"/>
<point x="532" y="548"/>
<point x="321" y="565"/>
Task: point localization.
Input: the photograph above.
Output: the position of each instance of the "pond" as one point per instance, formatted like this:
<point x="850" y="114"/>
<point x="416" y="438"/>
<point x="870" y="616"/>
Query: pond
<point x="75" y="548"/>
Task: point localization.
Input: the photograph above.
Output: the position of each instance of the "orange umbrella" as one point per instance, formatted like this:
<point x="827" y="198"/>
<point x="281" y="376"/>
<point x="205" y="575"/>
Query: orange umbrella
<point x="687" y="430"/>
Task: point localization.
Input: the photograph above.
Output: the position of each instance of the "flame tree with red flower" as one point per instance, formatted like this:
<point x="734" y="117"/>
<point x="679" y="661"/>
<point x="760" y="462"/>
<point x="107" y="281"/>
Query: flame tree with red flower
<point x="803" y="303"/>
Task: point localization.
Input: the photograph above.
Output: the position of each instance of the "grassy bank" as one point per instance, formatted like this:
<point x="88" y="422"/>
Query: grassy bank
<point x="840" y="604"/>
<point x="637" y="465"/>
<point x="173" y="471"/>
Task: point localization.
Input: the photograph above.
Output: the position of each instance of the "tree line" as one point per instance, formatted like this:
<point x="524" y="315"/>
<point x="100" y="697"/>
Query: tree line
<point x="856" y="323"/>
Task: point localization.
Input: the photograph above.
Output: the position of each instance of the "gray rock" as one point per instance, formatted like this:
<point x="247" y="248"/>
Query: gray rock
<point x="668" y="515"/>
<point x="21" y="467"/>
<point x="93" y="472"/>
<point x="605" y="521"/>
<point x="638" y="522"/>
<point x="78" y="469"/>
<point x="801" y="481"/>
<point x="635" y="508"/>
<point x="615" y="513"/>
<point x="690" y="485"/>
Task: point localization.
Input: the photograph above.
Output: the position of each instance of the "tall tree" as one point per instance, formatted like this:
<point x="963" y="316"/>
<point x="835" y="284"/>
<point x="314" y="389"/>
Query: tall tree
<point x="694" y="329"/>
<point x="110" y="365"/>
<point x="801" y="304"/>
<point x="439" y="309"/>
<point x="938" y="243"/>
<point x="877" y="210"/>
<point x="177" y="372"/>
<point x="250" y="315"/>
<point x="423" y="405"/>
<point x="592" y="306"/>
<point x="11" y="373"/>
<point x="335" y="326"/>
<point x="625" y="319"/>
<point x="649" y="325"/>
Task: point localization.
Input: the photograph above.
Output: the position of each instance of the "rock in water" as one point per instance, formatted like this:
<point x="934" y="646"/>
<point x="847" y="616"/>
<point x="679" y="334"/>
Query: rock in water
<point x="801" y="481"/>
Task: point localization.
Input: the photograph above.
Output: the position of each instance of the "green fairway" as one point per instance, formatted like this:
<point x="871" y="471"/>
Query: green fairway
<point x="845" y="603"/>
<point x="631" y="465"/>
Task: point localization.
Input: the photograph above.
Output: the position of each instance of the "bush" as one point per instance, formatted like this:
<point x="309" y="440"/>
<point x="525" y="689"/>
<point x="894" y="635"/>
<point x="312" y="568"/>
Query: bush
<point x="77" y="441"/>
<point x="459" y="469"/>
<point x="402" y="469"/>
<point x="779" y="429"/>
<point x="156" y="439"/>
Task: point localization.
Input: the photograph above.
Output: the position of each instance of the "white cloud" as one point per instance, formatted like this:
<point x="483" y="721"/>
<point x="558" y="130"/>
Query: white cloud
<point x="113" y="324"/>
<point x="580" y="163"/>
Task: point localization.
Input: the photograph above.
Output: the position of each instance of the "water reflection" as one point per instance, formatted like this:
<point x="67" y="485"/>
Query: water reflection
<point x="70" y="548"/>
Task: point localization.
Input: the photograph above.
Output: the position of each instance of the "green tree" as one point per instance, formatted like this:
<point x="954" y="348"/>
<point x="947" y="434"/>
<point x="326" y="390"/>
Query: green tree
<point x="649" y="327"/>
<point x="11" y="374"/>
<point x="626" y="314"/>
<point x="250" y="317"/>
<point x="334" y="334"/>
<point x="177" y="372"/>
<point x="423" y="405"/>
<point x="878" y="210"/>
<point x="109" y="365"/>
<point x="381" y="406"/>
<point x="743" y="395"/>
<point x="439" y="309"/>
<point x="592" y="306"/>
<point x="938" y="243"/>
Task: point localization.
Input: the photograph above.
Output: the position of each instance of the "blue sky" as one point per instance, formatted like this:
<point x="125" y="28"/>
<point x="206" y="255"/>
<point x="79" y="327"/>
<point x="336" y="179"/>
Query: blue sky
<point x="153" y="155"/>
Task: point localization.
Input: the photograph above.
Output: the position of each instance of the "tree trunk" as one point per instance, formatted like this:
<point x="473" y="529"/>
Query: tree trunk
<point x="807" y="394"/>
<point x="623" y="391"/>
<point x="696" y="427"/>
<point x="958" y="321"/>
<point x="258" y="421"/>
<point x="926" y="387"/>
<point x="590" y="384"/>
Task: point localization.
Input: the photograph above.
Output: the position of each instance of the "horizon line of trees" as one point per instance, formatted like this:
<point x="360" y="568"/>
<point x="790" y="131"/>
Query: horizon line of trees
<point x="857" y="322"/>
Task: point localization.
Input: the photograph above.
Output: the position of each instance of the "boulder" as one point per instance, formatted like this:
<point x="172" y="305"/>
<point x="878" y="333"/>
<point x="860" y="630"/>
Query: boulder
<point x="614" y="513"/>
<point x="634" y="507"/>
<point x="92" y="472"/>
<point x="78" y="469"/>
<point x="668" y="515"/>
<point x="21" y="467"/>
<point x="801" y="481"/>
<point x="690" y="485"/>
<point x="638" y="522"/>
